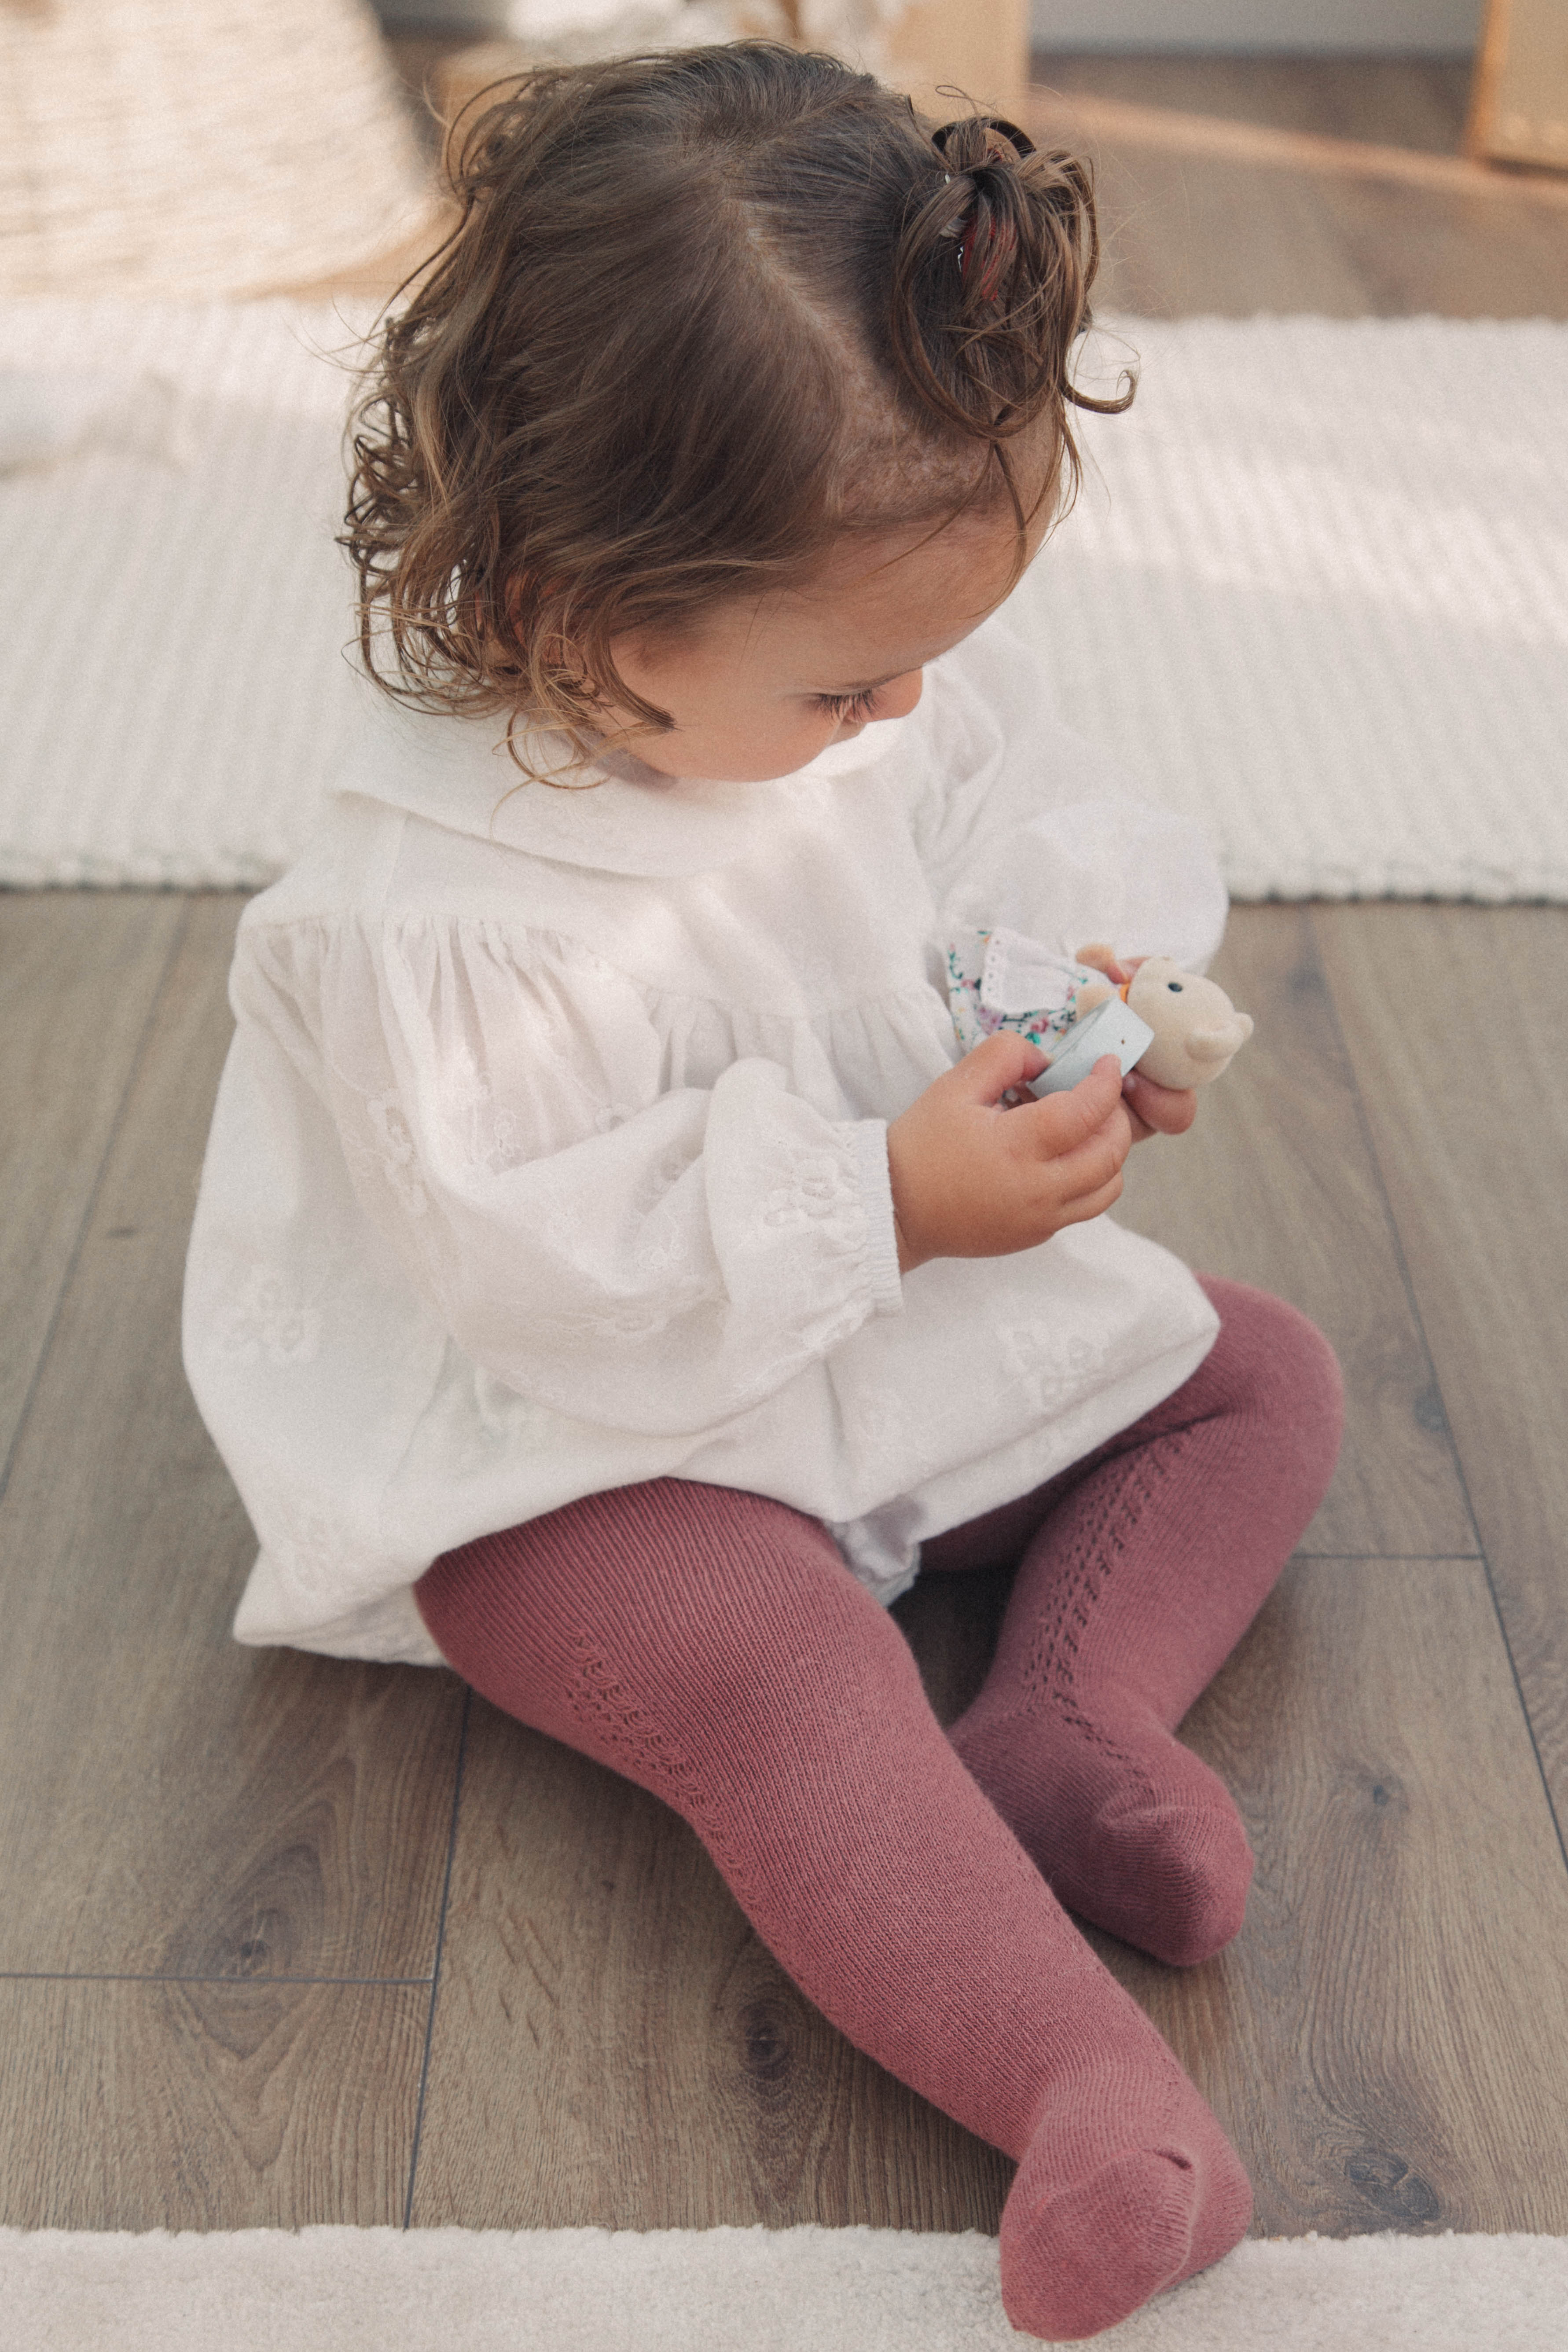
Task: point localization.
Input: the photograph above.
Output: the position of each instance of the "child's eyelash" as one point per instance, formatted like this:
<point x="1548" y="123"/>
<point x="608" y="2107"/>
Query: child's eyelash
<point x="845" y="707"/>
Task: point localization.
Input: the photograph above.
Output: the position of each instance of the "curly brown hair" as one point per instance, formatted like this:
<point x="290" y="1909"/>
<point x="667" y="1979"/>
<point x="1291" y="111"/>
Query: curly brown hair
<point x="702" y="313"/>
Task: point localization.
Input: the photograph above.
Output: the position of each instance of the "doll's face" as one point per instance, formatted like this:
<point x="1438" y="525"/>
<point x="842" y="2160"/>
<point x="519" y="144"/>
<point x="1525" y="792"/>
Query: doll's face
<point x="1196" y="1027"/>
<point x="1176" y="1003"/>
<point x="763" y="684"/>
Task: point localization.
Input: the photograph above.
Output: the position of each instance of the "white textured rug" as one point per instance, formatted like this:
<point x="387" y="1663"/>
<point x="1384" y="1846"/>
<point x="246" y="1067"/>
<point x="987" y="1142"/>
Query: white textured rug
<point x="1316" y="590"/>
<point x="807" y="2290"/>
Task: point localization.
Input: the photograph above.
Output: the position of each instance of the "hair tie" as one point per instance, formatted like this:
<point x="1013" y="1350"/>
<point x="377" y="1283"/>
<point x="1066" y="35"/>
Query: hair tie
<point x="1018" y="141"/>
<point x="1001" y="238"/>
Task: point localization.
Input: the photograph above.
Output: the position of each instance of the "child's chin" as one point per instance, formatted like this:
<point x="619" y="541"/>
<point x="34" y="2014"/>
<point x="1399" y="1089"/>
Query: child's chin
<point x="760" y="768"/>
<point x="764" y="772"/>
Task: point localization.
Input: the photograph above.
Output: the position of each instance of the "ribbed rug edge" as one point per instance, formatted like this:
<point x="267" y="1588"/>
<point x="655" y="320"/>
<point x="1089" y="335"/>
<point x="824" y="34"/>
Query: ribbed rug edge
<point x="335" y="2289"/>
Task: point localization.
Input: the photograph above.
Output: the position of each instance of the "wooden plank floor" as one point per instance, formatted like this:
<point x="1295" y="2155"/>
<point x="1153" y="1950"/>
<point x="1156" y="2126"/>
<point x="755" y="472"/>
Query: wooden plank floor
<point x="280" y="1932"/>
<point x="293" y="1940"/>
<point x="1194" y="232"/>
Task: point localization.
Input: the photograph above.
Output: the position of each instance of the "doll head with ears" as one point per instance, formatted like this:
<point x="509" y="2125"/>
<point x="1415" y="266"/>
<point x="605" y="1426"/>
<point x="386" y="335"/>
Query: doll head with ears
<point x="717" y="329"/>
<point x="1197" y="1029"/>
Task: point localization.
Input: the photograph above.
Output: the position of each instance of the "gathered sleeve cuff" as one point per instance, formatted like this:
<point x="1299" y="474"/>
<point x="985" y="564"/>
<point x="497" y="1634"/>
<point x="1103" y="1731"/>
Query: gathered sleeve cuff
<point x="881" y="1231"/>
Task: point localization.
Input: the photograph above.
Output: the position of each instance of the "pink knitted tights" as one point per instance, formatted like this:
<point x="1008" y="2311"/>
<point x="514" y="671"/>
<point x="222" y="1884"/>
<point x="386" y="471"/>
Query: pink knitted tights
<point x="712" y="1646"/>
<point x="1141" y="1566"/>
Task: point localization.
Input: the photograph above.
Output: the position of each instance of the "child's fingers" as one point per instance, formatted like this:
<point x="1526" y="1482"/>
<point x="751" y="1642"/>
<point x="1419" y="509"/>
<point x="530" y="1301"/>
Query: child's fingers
<point x="995" y="1067"/>
<point x="1054" y="1182"/>
<point x="1092" y="1204"/>
<point x="1099" y="956"/>
<point x="1058" y="1124"/>
<point x="1096" y="1161"/>
<point x="1090" y="1168"/>
<point x="1168" y="1110"/>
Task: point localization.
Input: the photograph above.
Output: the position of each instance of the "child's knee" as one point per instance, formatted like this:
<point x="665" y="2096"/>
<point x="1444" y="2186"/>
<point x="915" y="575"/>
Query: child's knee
<point x="1273" y="1364"/>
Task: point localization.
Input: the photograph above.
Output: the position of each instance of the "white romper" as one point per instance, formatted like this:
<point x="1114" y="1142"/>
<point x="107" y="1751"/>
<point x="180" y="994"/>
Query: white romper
<point x="551" y="1153"/>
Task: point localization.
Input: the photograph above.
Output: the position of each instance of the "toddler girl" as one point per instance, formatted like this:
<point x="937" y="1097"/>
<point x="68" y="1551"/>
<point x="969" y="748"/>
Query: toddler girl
<point x="608" y="1276"/>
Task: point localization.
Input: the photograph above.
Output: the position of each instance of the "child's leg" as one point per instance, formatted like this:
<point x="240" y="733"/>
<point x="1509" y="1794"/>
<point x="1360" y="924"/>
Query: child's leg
<point x="1141" y="1568"/>
<point x="713" y="1647"/>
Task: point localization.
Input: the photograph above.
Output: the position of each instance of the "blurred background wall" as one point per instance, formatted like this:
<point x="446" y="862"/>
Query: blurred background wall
<point x="1304" y="27"/>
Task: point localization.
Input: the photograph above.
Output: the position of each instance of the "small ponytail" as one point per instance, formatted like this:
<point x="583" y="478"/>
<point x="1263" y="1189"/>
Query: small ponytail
<point x="990" y="291"/>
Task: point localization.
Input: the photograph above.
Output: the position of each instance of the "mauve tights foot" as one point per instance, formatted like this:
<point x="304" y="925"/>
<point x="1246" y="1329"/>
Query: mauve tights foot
<point x="1141" y="1570"/>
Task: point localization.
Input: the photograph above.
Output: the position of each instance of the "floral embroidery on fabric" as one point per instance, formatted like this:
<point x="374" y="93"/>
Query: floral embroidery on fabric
<point x="504" y="1423"/>
<point x="662" y="1252"/>
<point x="1049" y="1375"/>
<point x="396" y="1148"/>
<point x="489" y="1130"/>
<point x="817" y="1188"/>
<point x="312" y="1545"/>
<point x="272" y="1319"/>
<point x="661" y="1176"/>
<point x="641" y="1318"/>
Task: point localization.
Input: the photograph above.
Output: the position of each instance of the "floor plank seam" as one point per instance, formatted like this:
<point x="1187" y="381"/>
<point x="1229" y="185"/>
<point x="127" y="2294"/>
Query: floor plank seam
<point x="1518" y="1684"/>
<point x="89" y="1206"/>
<point x="1369" y="1138"/>
<point x="134" y="1975"/>
<point x="435" y="1971"/>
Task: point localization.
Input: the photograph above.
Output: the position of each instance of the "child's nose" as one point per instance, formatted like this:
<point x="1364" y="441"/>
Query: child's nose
<point x="899" y="696"/>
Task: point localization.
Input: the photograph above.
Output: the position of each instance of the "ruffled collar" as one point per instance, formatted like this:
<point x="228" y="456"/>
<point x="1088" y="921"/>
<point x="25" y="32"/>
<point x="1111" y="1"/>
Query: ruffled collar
<point x="616" y="817"/>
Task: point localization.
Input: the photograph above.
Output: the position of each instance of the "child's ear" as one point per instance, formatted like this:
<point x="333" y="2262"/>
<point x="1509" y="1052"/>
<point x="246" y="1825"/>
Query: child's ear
<point x="1098" y="992"/>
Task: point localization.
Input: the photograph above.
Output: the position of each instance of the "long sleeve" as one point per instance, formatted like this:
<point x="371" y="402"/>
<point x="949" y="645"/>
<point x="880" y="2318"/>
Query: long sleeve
<point x="622" y="1250"/>
<point x="1025" y="824"/>
<point x="551" y="1157"/>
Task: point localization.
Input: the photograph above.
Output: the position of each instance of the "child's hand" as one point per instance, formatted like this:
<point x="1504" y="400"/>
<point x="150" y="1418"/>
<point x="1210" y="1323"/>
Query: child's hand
<point x="973" y="1179"/>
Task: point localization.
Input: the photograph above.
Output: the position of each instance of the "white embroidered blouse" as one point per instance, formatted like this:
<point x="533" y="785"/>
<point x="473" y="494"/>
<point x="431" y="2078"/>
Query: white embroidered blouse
<point x="550" y="1151"/>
